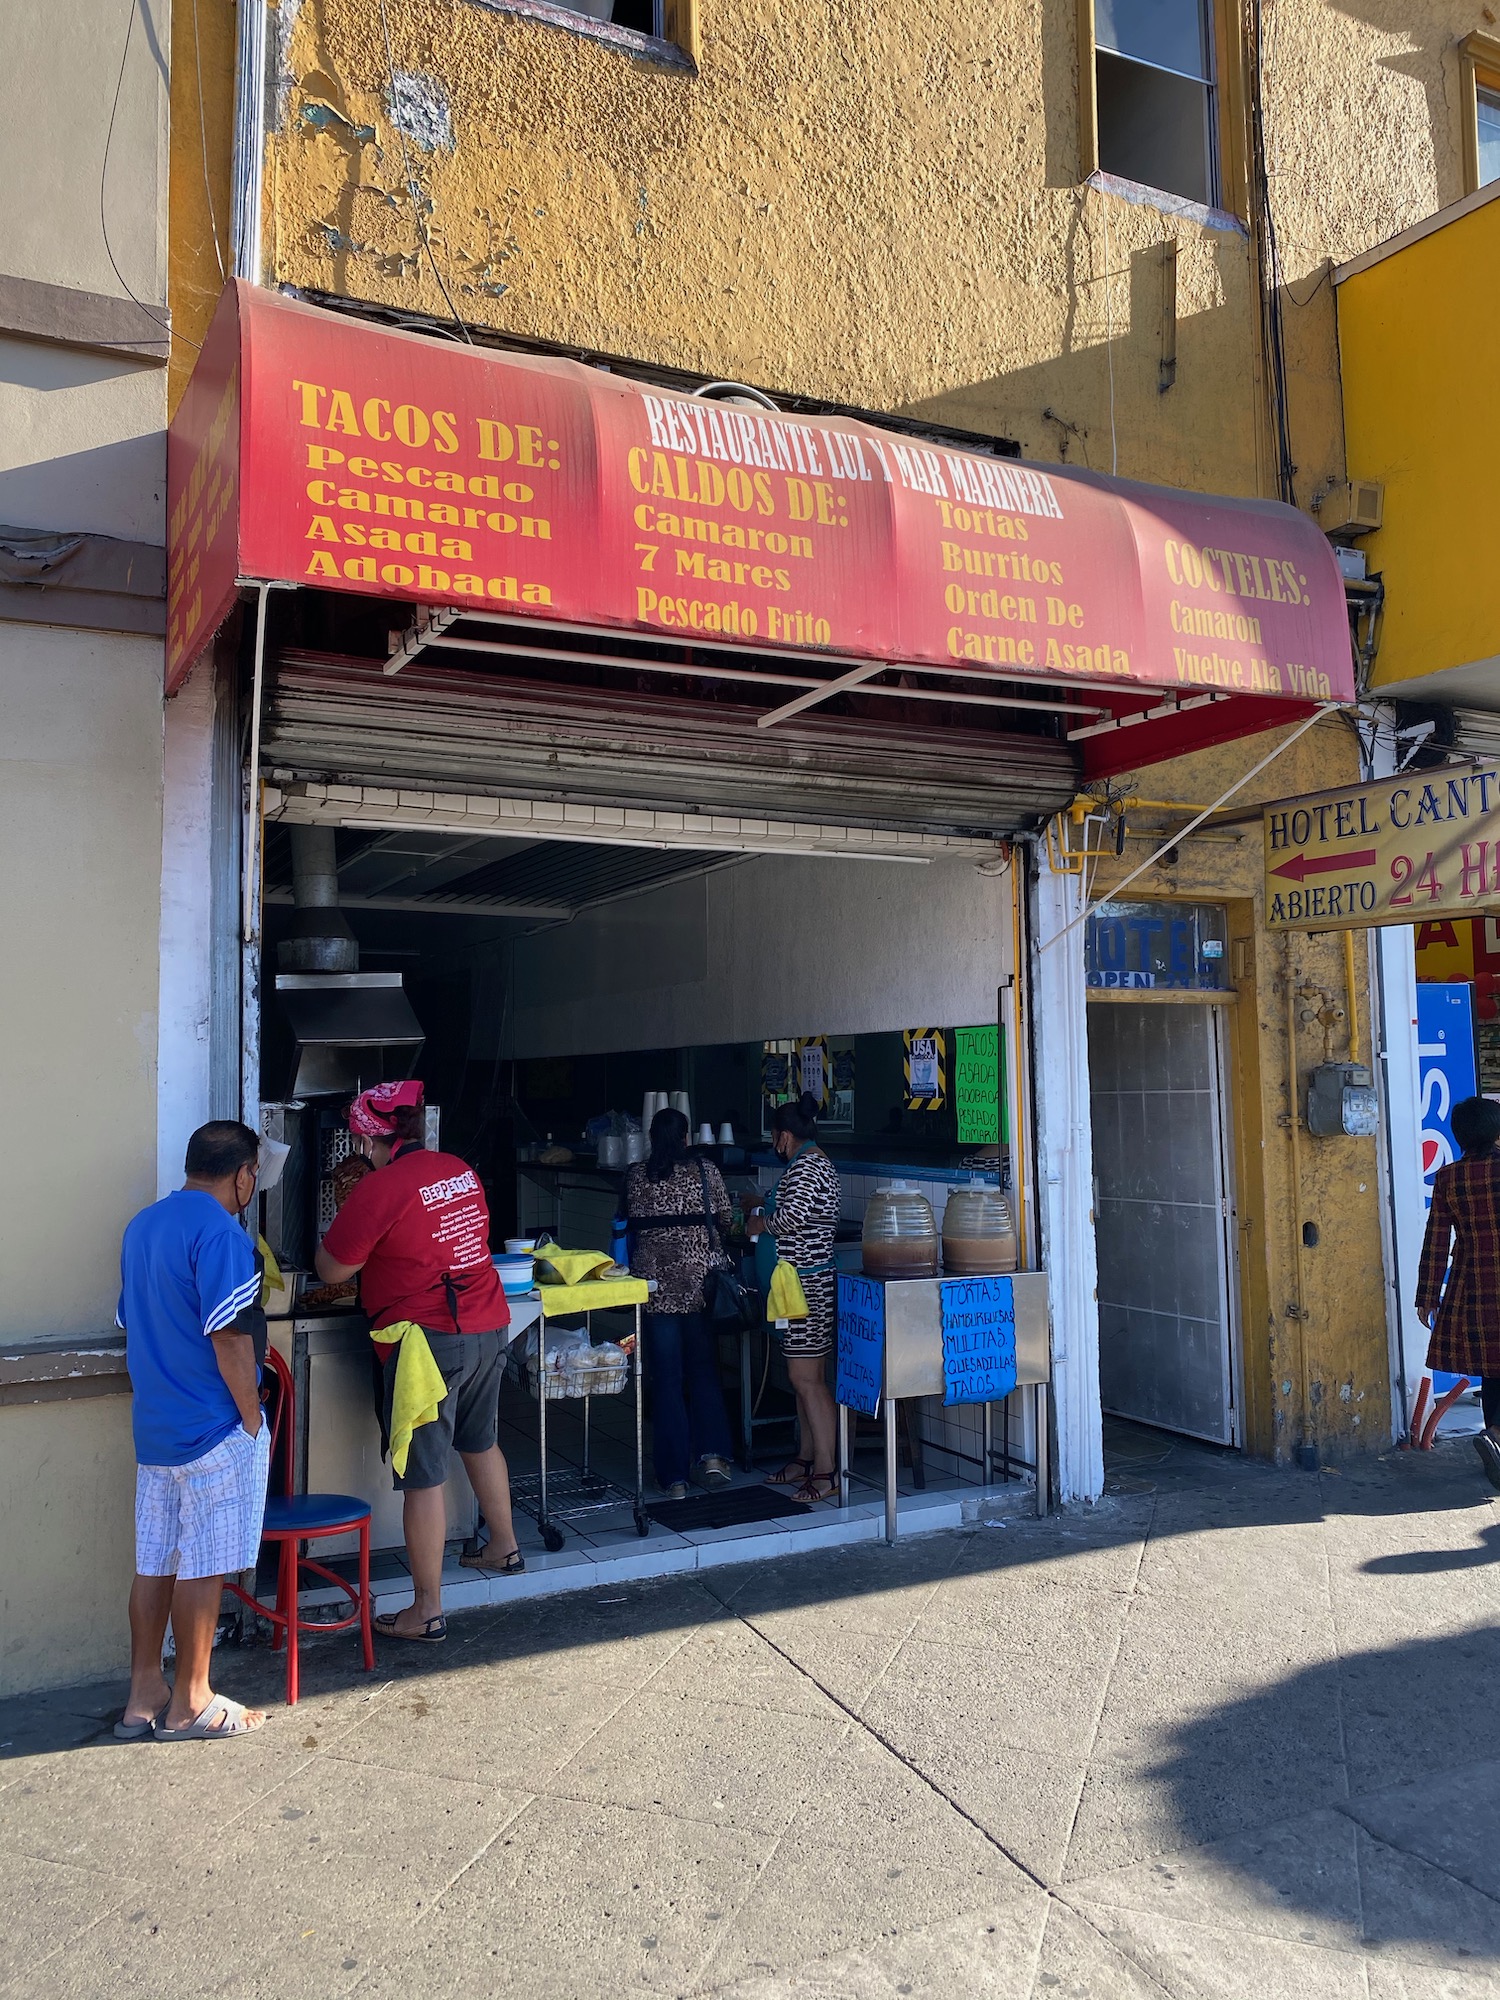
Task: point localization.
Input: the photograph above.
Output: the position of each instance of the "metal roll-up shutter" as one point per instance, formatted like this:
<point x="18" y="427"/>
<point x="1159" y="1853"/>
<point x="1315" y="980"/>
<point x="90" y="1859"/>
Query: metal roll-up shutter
<point x="344" y="721"/>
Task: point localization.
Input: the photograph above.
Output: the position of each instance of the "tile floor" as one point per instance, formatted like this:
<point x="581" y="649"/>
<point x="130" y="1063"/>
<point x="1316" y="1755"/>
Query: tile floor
<point x="603" y="1545"/>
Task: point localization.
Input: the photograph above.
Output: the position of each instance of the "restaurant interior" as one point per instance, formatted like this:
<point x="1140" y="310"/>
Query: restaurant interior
<point x="549" y="993"/>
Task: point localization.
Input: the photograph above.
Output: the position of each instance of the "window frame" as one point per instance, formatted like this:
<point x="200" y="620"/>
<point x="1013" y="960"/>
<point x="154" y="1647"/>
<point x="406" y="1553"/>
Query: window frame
<point x="1228" y="99"/>
<point x="1478" y="69"/>
<point x="677" y="47"/>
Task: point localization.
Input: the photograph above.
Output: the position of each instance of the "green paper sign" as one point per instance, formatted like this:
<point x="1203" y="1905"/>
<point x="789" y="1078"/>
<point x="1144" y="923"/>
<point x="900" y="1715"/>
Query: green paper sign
<point x="977" y="1087"/>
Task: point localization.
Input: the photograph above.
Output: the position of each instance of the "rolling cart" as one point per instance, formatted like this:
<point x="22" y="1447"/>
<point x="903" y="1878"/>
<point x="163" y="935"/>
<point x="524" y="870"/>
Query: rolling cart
<point x="553" y="1497"/>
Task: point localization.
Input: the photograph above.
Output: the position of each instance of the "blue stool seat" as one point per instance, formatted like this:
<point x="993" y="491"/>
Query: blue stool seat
<point x="301" y="1513"/>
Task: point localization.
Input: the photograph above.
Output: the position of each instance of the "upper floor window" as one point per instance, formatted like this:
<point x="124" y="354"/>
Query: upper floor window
<point x="1487" y="115"/>
<point x="1154" y="95"/>
<point x="1479" y="106"/>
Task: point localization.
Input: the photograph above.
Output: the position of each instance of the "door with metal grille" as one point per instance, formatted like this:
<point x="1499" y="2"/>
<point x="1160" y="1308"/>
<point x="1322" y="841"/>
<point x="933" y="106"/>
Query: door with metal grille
<point x="1163" y="1217"/>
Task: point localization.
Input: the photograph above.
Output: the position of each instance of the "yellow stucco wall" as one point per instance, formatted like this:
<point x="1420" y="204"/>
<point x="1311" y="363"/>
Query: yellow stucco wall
<point x="200" y="202"/>
<point x="67" y="1493"/>
<point x="1341" y="1345"/>
<point x="1417" y="332"/>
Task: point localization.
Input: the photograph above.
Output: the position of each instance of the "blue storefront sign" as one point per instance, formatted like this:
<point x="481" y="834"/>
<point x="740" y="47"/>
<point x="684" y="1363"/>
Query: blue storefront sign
<point x="1176" y="947"/>
<point x="1446" y="1074"/>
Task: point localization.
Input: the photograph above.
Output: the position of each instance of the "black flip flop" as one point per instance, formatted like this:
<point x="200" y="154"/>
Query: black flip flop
<point x="1489" y="1456"/>
<point x="433" y="1633"/>
<point x="512" y="1565"/>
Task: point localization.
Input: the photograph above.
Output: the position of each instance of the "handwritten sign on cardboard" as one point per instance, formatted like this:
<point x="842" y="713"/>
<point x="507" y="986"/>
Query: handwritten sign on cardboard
<point x="861" y="1350"/>
<point x="979" y="1339"/>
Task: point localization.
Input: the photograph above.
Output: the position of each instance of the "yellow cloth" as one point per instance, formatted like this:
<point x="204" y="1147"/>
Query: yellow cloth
<point x="271" y="1280"/>
<point x="593" y="1295"/>
<point x="419" y="1386"/>
<point x="571" y="1265"/>
<point x="786" y="1298"/>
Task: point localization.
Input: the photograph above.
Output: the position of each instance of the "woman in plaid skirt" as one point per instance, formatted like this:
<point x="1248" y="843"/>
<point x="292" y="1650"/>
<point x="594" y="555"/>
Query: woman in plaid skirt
<point x="1461" y="1302"/>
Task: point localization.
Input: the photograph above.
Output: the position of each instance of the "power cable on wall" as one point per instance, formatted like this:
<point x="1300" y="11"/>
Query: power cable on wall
<point x="424" y="235"/>
<point x="154" y="316"/>
<point x="1269" y="258"/>
<point x="208" y="193"/>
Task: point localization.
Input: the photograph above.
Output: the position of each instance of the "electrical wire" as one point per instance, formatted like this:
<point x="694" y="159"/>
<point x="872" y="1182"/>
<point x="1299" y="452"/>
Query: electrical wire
<point x="1269" y="260"/>
<point x="1109" y="349"/>
<point x="424" y="235"/>
<point x="154" y="317"/>
<point x="208" y="193"/>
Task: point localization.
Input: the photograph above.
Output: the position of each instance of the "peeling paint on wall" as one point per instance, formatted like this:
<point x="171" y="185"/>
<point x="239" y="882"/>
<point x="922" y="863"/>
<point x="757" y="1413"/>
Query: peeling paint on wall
<point x="323" y="118"/>
<point x="418" y="108"/>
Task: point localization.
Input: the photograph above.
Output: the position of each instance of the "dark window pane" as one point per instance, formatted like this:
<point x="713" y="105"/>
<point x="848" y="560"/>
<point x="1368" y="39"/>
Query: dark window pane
<point x="1154" y="128"/>
<point x="1172" y="34"/>
<point x="640" y="14"/>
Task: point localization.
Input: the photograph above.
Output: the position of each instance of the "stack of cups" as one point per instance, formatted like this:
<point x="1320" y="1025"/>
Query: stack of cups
<point x="680" y="1103"/>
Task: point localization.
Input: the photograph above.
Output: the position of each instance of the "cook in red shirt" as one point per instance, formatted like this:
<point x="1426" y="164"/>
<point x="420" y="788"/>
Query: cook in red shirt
<point x="418" y="1232"/>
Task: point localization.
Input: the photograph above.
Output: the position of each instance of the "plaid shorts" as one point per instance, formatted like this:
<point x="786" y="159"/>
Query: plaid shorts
<point x="204" y="1518"/>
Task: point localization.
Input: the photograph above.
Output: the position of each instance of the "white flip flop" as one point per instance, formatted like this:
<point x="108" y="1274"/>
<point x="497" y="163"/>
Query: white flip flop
<point x="221" y="1717"/>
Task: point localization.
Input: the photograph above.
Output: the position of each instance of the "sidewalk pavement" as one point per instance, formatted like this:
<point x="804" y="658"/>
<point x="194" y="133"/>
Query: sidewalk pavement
<point x="1228" y="1733"/>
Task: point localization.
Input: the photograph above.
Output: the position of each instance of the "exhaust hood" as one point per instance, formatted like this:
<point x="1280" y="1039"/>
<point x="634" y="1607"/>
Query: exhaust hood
<point x="344" y="1023"/>
<point x="352" y="1028"/>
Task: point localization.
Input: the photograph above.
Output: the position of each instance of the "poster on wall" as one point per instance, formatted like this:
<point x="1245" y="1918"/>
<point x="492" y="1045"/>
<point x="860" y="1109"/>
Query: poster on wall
<point x="861" y="1343"/>
<point x="978" y="1066"/>
<point x="924" y="1061"/>
<point x="812" y="1068"/>
<point x="775" y="1076"/>
<point x="1445" y="1076"/>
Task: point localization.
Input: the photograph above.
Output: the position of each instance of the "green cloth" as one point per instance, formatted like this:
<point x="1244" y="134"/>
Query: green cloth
<point x="593" y="1294"/>
<point x="419" y="1386"/>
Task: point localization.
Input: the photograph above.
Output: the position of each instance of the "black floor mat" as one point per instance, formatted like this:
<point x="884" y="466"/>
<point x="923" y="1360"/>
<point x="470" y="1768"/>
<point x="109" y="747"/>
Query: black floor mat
<point x="733" y="1508"/>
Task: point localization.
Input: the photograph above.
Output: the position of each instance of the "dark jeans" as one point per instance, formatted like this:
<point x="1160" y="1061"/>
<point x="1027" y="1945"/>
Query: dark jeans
<point x="1489" y="1401"/>
<point x="688" y="1418"/>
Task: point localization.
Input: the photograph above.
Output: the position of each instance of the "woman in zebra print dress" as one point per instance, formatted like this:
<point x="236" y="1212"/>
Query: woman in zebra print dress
<point x="802" y="1216"/>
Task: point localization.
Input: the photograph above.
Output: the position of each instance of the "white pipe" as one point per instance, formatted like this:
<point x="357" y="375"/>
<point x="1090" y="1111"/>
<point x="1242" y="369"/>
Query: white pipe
<point x="251" y="927"/>
<point x="249" y="139"/>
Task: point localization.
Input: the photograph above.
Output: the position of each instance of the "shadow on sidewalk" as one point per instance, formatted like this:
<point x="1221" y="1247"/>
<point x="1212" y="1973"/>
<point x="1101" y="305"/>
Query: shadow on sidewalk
<point x="1317" y="1789"/>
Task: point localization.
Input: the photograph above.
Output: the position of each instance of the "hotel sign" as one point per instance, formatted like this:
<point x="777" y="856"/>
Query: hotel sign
<point x="1402" y="851"/>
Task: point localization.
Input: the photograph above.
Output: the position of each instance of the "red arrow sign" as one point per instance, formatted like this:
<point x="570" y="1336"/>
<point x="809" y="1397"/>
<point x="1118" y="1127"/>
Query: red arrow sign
<point x="1324" y="864"/>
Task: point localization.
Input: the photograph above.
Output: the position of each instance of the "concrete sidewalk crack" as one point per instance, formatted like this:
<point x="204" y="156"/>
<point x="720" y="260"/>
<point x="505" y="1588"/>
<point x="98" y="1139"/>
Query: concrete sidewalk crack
<point x="1131" y="1596"/>
<point x="891" y="1749"/>
<point x="1412" y="1854"/>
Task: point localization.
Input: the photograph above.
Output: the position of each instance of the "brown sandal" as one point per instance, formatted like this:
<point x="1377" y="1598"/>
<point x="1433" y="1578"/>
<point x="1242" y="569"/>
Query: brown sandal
<point x="809" y="1493"/>
<point x="787" y="1477"/>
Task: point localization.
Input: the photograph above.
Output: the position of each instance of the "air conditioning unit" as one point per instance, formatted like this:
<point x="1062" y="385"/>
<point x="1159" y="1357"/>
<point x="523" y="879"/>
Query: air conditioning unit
<point x="1354" y="508"/>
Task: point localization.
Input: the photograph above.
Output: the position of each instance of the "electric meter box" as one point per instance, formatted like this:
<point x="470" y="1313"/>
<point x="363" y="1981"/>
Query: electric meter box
<point x="1341" y="1102"/>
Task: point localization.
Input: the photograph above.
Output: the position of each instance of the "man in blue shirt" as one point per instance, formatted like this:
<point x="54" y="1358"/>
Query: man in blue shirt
<point x="190" y="1306"/>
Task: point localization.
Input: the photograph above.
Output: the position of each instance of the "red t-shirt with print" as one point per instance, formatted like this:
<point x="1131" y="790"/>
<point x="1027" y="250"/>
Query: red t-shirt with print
<point x="411" y="1224"/>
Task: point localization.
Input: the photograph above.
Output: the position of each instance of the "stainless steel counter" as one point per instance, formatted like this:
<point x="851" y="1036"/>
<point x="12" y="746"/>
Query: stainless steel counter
<point x="912" y="1365"/>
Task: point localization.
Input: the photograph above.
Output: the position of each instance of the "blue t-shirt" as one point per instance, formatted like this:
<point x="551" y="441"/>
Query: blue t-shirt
<point x="187" y="1271"/>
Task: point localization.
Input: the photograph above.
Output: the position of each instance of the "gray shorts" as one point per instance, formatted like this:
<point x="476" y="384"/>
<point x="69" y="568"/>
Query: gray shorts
<point x="471" y="1365"/>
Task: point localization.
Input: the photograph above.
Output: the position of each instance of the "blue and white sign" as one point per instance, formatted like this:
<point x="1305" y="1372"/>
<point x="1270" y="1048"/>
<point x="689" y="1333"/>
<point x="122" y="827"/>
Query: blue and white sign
<point x="1446" y="1075"/>
<point x="979" y="1339"/>
<point x="861" y="1352"/>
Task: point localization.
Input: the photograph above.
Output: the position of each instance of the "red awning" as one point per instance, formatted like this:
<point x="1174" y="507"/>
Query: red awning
<point x="316" y="449"/>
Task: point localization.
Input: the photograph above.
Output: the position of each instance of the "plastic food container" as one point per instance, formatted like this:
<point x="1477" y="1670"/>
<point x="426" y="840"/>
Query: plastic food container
<point x="900" y="1236"/>
<point x="517" y="1273"/>
<point x="520" y="1246"/>
<point x="979" y="1236"/>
